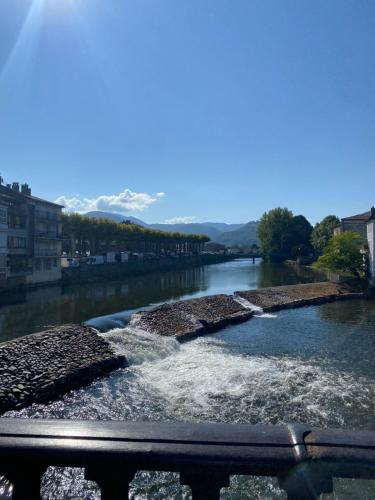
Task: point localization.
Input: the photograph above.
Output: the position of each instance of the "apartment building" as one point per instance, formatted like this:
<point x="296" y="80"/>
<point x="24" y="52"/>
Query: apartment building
<point x="30" y="237"/>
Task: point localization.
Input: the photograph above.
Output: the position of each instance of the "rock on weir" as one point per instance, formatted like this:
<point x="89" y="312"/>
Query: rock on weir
<point x="42" y="366"/>
<point x="190" y="318"/>
<point x="290" y="296"/>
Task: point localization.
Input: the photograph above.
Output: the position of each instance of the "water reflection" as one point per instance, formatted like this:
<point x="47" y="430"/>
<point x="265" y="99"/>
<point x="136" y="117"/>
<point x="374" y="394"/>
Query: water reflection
<point x="37" y="309"/>
<point x="354" y="311"/>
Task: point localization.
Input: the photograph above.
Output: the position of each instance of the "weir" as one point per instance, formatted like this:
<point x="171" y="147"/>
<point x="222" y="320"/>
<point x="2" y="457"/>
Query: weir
<point x="43" y="366"/>
<point x="224" y="378"/>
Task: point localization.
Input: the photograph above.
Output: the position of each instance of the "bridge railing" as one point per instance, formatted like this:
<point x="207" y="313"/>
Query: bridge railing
<point x="304" y="460"/>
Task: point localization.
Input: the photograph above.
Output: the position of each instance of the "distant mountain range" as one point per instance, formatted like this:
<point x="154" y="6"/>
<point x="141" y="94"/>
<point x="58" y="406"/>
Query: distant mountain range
<point x="97" y="214"/>
<point x="220" y="232"/>
<point x="245" y="236"/>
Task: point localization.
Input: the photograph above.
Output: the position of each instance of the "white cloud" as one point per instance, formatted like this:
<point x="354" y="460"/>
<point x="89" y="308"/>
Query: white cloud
<point x="180" y="220"/>
<point x="125" y="202"/>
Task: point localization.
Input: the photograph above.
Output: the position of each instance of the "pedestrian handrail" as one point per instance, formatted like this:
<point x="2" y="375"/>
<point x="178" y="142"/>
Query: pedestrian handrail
<point x="303" y="459"/>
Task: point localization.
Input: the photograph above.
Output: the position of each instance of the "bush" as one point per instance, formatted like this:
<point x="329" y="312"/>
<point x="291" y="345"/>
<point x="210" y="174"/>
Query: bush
<point x="345" y="253"/>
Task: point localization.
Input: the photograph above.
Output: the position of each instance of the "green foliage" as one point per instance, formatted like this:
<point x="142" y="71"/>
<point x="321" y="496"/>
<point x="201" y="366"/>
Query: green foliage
<point x="300" y="233"/>
<point x="323" y="232"/>
<point x="345" y="253"/>
<point x="91" y="234"/>
<point x="281" y="234"/>
<point x="301" y="250"/>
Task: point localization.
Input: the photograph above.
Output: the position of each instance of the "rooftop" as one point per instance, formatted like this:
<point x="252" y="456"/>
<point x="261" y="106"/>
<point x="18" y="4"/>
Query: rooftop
<point x="21" y="194"/>
<point x="365" y="217"/>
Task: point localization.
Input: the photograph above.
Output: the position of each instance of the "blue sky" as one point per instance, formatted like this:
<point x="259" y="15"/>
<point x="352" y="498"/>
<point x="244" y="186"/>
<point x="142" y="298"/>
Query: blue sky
<point x="205" y="109"/>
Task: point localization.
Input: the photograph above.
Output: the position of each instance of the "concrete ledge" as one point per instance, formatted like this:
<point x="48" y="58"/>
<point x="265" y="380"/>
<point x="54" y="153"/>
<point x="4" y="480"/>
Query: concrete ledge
<point x="190" y="318"/>
<point x="286" y="297"/>
<point x="45" y="365"/>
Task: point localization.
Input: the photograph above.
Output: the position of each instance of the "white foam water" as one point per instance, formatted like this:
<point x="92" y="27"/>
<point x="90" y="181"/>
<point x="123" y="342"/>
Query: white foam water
<point x="204" y="382"/>
<point x="138" y="345"/>
<point x="257" y="310"/>
<point x="215" y="378"/>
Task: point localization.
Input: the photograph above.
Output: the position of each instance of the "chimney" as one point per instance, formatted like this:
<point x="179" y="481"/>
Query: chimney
<point x="16" y="187"/>
<point x="25" y="189"/>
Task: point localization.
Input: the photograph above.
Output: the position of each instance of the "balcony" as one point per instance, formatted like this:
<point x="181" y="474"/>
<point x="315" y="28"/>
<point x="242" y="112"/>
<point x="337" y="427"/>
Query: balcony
<point x="47" y="253"/>
<point x="48" y="236"/>
<point x="46" y="216"/>
<point x="304" y="460"/>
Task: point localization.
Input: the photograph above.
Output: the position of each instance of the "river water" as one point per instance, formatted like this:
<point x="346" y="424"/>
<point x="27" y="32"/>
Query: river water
<point x="312" y="365"/>
<point x="35" y="310"/>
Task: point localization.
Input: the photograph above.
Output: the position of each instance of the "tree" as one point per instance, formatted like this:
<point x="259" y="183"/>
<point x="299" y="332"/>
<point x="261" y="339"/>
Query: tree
<point x="301" y="250"/>
<point x="283" y="235"/>
<point x="323" y="232"/>
<point x="85" y="234"/>
<point x="345" y="253"/>
<point x="300" y="234"/>
<point x="273" y="232"/>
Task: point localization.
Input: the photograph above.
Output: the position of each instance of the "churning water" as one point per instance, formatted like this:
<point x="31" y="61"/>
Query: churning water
<point x="311" y="365"/>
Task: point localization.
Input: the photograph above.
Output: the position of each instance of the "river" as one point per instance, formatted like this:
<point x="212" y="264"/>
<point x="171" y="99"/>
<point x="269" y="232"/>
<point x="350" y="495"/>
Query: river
<point x="312" y="365"/>
<point x="107" y="303"/>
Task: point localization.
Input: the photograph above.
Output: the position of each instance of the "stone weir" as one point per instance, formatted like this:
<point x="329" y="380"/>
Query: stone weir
<point x="42" y="366"/>
<point x="45" y="365"/>
<point x="290" y="296"/>
<point x="189" y="318"/>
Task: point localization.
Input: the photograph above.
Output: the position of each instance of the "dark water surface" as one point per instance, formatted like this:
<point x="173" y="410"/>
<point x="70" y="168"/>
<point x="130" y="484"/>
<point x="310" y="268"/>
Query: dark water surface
<point x="313" y="365"/>
<point x="37" y="309"/>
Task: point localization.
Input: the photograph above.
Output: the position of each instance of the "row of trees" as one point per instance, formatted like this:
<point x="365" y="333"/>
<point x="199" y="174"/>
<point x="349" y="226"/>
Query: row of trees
<point x="85" y="234"/>
<point x="284" y="236"/>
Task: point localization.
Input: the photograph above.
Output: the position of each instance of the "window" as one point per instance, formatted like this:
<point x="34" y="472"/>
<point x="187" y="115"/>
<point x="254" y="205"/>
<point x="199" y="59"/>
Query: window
<point x="17" y="242"/>
<point x="3" y="216"/>
<point x="47" y="264"/>
<point x="38" y="264"/>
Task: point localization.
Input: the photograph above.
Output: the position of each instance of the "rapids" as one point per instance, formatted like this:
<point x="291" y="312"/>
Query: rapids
<point x="312" y="365"/>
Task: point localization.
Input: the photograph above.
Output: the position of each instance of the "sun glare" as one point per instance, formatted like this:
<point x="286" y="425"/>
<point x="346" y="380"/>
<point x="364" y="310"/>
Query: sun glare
<point x="40" y="13"/>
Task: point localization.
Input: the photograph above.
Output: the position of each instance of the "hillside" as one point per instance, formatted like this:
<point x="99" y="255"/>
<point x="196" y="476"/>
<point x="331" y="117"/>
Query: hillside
<point x="244" y="236"/>
<point x="97" y="214"/>
<point x="211" y="229"/>
<point x="192" y="228"/>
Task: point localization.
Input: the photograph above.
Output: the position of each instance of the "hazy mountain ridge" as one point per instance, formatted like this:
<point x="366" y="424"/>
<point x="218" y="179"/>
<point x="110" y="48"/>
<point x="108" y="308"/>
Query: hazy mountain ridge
<point x="246" y="235"/>
<point x="217" y="231"/>
<point x="190" y="228"/>
<point x="98" y="214"/>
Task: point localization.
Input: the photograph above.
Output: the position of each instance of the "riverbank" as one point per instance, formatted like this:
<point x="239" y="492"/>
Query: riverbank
<point x="86" y="273"/>
<point x="40" y="367"/>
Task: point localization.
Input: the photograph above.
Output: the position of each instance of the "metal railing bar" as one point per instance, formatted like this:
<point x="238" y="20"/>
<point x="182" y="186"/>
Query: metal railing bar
<point x="150" y="441"/>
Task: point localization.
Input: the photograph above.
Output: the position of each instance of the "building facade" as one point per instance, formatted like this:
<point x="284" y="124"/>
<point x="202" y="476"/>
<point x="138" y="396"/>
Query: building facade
<point x="363" y="224"/>
<point x="30" y="237"/>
